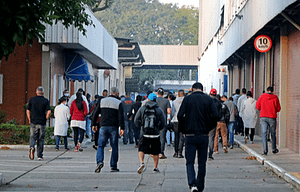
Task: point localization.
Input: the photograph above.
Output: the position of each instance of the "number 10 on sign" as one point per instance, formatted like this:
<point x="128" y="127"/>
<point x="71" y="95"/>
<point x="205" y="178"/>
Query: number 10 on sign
<point x="263" y="43"/>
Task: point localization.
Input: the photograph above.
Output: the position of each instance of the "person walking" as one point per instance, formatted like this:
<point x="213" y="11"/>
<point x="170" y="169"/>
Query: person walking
<point x="132" y="112"/>
<point x="240" y="125"/>
<point x="232" y="110"/>
<point x="61" y="114"/>
<point x="222" y="127"/>
<point x="128" y="132"/>
<point x="38" y="112"/>
<point x="249" y="116"/>
<point x="150" y="118"/>
<point x="178" y="144"/>
<point x="164" y="104"/>
<point x="268" y="104"/>
<point x="73" y="97"/>
<point x="212" y="133"/>
<point x="78" y="111"/>
<point x="112" y="117"/>
<point x="198" y="114"/>
<point x="170" y="135"/>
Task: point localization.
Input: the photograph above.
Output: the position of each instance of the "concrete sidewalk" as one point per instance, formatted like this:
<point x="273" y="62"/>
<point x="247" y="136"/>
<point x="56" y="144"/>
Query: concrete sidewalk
<point x="286" y="163"/>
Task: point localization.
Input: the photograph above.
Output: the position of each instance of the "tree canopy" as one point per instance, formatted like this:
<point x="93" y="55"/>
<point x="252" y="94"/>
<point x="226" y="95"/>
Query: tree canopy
<point x="26" y="19"/>
<point x="151" y="23"/>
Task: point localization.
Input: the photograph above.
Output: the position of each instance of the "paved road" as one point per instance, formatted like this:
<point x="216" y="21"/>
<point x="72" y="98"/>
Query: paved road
<point x="74" y="171"/>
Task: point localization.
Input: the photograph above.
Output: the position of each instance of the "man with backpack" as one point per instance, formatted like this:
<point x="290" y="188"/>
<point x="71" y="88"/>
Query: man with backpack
<point x="150" y="118"/>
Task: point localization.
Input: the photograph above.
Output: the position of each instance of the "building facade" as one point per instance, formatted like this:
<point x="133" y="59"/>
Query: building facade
<point x="235" y="24"/>
<point x="66" y="60"/>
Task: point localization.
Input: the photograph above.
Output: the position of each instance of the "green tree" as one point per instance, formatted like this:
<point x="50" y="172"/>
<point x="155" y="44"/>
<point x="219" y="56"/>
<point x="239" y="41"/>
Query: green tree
<point x="151" y="23"/>
<point x="26" y="19"/>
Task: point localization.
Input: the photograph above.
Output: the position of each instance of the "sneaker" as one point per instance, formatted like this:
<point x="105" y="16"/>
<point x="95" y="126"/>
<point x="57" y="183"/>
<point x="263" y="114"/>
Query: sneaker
<point x="210" y="158"/>
<point x="156" y="170"/>
<point x="114" y="170"/>
<point x="56" y="149"/>
<point x="161" y="156"/>
<point x="40" y="159"/>
<point x="141" y="168"/>
<point x="99" y="167"/>
<point x="31" y="153"/>
<point x="231" y="146"/>
<point x="194" y="189"/>
<point x="275" y="151"/>
<point x="251" y="142"/>
<point x="180" y="156"/>
<point x="216" y="152"/>
<point x="67" y="149"/>
<point x="246" y="139"/>
<point x="264" y="153"/>
<point x="225" y="150"/>
<point x="175" y="155"/>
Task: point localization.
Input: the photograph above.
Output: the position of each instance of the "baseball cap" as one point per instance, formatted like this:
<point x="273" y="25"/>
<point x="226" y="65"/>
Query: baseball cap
<point x="152" y="96"/>
<point x="213" y="91"/>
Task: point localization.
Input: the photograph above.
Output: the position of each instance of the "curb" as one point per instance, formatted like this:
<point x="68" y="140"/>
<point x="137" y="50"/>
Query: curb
<point x="276" y="169"/>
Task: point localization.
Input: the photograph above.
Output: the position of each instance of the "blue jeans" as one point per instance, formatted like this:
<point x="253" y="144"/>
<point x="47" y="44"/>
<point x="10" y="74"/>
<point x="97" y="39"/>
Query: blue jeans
<point x="87" y="126"/>
<point x="106" y="133"/>
<point x="195" y="144"/>
<point x="58" y="139"/>
<point x="128" y="132"/>
<point x="231" y="134"/>
<point x="169" y="135"/>
<point x="268" y="123"/>
<point x="37" y="132"/>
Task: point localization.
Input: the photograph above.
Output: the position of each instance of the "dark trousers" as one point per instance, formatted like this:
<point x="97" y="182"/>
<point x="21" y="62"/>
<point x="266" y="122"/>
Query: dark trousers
<point x="162" y="135"/>
<point x="193" y="145"/>
<point x="136" y="132"/>
<point x="251" y="133"/>
<point x="96" y="134"/>
<point x="78" y="131"/>
<point x="178" y="139"/>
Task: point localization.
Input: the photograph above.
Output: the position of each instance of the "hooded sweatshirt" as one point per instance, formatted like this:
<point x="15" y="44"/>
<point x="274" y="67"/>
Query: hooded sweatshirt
<point x="269" y="105"/>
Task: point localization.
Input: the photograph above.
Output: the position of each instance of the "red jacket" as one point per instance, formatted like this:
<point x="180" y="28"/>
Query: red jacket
<point x="76" y="114"/>
<point x="269" y="105"/>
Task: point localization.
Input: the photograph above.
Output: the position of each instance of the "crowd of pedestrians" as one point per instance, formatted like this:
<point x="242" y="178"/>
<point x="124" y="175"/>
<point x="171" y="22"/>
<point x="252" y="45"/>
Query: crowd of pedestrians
<point x="196" y="122"/>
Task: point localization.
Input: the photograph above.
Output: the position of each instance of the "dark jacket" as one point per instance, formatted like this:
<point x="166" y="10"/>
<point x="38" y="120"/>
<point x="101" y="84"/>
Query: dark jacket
<point x="133" y="110"/>
<point x="111" y="111"/>
<point x="159" y="116"/>
<point x="198" y="114"/>
<point x="224" y="114"/>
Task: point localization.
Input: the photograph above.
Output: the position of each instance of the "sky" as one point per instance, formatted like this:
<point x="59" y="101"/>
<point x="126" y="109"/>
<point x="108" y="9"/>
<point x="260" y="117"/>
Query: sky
<point x="195" y="3"/>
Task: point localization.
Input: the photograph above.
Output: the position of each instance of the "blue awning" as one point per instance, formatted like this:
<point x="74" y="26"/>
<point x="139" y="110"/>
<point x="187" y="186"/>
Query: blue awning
<point x="77" y="68"/>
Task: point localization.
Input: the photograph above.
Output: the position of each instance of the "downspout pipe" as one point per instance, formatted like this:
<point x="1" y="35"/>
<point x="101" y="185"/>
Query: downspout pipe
<point x="26" y="82"/>
<point x="241" y="58"/>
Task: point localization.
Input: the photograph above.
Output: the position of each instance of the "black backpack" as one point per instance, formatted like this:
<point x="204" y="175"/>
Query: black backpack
<point x="149" y="122"/>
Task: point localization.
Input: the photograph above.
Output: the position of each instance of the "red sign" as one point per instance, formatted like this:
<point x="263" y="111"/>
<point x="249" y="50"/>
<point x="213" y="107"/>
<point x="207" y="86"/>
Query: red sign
<point x="263" y="43"/>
